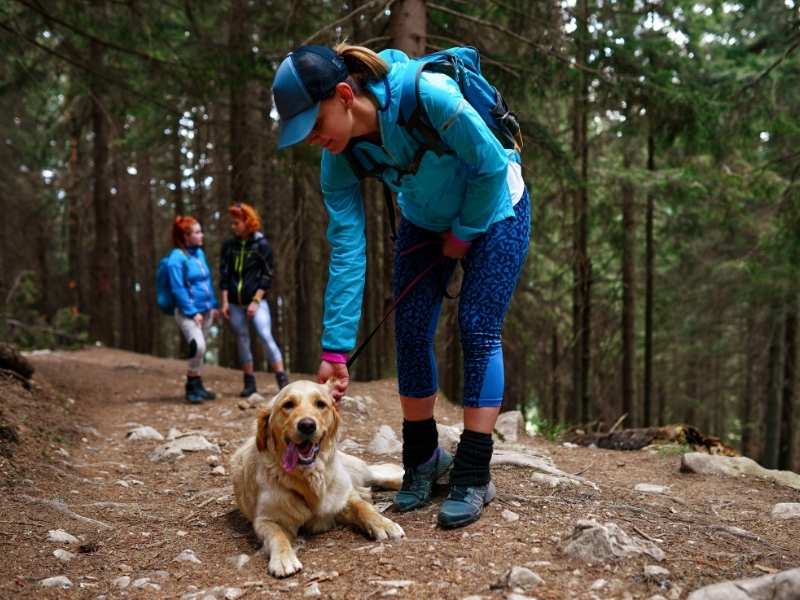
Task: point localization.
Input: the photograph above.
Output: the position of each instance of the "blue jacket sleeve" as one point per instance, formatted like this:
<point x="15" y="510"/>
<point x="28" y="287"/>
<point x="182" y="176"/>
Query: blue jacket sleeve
<point x="178" y="284"/>
<point x="348" y="261"/>
<point x="214" y="301"/>
<point x="466" y="133"/>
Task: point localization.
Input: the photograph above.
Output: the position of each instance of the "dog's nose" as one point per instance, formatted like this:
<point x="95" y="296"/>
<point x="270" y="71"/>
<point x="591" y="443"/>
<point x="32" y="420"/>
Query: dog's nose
<point x="306" y="426"/>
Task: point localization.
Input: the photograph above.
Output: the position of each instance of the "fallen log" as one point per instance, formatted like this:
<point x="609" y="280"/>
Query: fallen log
<point x="638" y="438"/>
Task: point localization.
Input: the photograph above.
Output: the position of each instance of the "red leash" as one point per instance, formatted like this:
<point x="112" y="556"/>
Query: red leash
<point x="399" y="298"/>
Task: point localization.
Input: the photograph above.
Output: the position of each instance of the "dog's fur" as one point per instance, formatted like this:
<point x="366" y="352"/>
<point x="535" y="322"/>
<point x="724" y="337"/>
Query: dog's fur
<point x="280" y="496"/>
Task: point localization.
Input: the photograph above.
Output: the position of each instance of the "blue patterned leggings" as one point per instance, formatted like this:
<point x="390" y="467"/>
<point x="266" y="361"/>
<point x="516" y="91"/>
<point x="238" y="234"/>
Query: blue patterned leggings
<point x="491" y="269"/>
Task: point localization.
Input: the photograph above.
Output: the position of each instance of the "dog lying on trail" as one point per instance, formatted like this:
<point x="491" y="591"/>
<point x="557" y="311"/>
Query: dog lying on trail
<point x="291" y="476"/>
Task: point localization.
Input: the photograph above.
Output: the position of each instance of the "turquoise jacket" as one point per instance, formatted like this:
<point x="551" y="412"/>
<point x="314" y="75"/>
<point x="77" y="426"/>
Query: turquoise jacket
<point x="190" y="280"/>
<point x="464" y="192"/>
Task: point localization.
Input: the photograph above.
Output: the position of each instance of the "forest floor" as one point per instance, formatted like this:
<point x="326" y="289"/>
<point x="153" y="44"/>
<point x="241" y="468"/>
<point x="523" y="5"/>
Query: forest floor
<point x="72" y="468"/>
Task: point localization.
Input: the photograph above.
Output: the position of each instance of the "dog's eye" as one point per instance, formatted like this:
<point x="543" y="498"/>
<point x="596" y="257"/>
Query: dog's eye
<point x="288" y="405"/>
<point x="321" y="404"/>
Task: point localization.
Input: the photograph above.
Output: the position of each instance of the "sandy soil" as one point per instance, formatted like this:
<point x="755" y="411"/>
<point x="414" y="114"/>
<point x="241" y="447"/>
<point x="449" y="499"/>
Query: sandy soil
<point x="72" y="454"/>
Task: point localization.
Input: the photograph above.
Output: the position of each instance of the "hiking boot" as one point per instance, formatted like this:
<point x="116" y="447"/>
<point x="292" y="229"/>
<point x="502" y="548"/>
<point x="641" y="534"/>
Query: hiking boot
<point x="418" y="482"/>
<point x="464" y="504"/>
<point x="282" y="379"/>
<point x="193" y="393"/>
<point x="206" y="394"/>
<point x="249" y="385"/>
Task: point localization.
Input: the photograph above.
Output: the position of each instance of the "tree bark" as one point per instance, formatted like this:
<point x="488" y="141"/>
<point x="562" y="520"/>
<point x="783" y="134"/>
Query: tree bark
<point x="102" y="323"/>
<point x="786" y="446"/>
<point x="241" y="153"/>
<point x="408" y="26"/>
<point x="649" y="298"/>
<point x="772" y="415"/>
<point x="628" y="288"/>
<point x="746" y="414"/>
<point x="126" y="261"/>
<point x="177" y="168"/>
<point x="74" y="217"/>
<point x="150" y="339"/>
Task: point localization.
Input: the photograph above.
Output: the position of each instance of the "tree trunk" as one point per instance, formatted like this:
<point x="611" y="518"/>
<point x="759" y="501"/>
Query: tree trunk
<point x="649" y="298"/>
<point x="555" y="379"/>
<point x="786" y="446"/>
<point x="102" y="323"/>
<point x="126" y="261"/>
<point x="150" y="339"/>
<point x="772" y="416"/>
<point x="747" y="394"/>
<point x="581" y="362"/>
<point x="74" y="218"/>
<point x="628" y="288"/>
<point x="408" y="26"/>
<point x="177" y="168"/>
<point x="241" y="153"/>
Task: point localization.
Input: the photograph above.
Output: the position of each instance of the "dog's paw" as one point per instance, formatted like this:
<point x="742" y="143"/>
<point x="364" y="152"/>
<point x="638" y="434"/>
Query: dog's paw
<point x="383" y="529"/>
<point x="284" y="565"/>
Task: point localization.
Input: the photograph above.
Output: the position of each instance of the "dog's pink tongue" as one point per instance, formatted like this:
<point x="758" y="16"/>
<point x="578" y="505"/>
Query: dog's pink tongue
<point x="290" y="457"/>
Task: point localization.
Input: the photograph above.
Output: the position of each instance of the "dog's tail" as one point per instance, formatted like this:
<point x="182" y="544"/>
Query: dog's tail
<point x="385" y="476"/>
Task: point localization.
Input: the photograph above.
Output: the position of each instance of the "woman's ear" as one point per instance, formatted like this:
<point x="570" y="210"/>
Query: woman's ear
<point x="262" y="429"/>
<point x="345" y="92"/>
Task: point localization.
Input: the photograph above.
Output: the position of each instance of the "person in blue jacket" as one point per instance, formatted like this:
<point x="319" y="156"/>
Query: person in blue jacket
<point x="469" y="204"/>
<point x="196" y="306"/>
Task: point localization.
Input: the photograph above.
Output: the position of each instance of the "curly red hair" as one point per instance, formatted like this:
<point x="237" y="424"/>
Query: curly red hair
<point x="181" y="227"/>
<point x="248" y="214"/>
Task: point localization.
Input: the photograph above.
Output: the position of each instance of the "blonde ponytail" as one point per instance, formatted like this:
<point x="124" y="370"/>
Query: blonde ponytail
<point x="362" y="63"/>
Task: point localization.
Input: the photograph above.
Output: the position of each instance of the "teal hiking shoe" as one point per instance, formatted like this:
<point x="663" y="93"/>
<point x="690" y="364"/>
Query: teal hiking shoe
<point x="418" y="482"/>
<point x="193" y="393"/>
<point x="203" y="392"/>
<point x="464" y="504"/>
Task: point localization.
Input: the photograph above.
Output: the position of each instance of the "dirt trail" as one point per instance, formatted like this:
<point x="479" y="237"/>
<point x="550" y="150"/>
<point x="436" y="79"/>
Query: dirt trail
<point x="74" y="469"/>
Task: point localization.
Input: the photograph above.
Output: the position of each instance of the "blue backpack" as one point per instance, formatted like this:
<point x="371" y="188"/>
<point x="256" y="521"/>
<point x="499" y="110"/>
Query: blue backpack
<point x="164" y="296"/>
<point x="463" y="65"/>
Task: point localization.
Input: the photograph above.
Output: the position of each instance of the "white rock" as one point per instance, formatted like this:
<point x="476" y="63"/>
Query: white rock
<point x="213" y="460"/>
<point x="786" y="510"/>
<point x="187" y="556"/>
<point x="519" y="597"/>
<point x="449" y="435"/>
<point x="61" y="537"/>
<point x="349" y="445"/>
<point x="238" y="561"/>
<point x="144" y="433"/>
<point x="121" y="582"/>
<point x="656" y="572"/>
<point x="63" y="555"/>
<point x="509" y="425"/>
<point x="553" y="481"/>
<point x="166" y="454"/>
<point x="598" y="584"/>
<point x="385" y="441"/>
<point x="651" y="488"/>
<point x="194" y="443"/>
<point x="569" y="445"/>
<point x="218" y="470"/>
<point x="59" y="581"/>
<point x="523" y="578"/>
<point x="312" y="590"/>
<point x="780" y="586"/>
<point x="122" y="483"/>
<point x="510" y="516"/>
<point x="734" y="466"/>
<point x="593" y="542"/>
<point x="354" y="404"/>
<point x="173" y="433"/>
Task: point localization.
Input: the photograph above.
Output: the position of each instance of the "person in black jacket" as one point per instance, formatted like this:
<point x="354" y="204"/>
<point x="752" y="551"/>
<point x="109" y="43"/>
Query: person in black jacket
<point x="245" y="280"/>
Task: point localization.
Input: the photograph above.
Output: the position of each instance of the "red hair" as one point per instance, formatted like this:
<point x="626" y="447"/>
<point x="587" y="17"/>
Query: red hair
<point x="181" y="228"/>
<point x="248" y="214"/>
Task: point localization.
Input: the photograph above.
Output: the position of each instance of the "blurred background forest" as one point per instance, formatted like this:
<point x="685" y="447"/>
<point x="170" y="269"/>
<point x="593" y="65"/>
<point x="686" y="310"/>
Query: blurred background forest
<point x="662" y="149"/>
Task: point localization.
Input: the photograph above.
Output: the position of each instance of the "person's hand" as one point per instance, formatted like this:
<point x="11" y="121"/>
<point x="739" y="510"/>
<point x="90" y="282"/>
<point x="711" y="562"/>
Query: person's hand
<point x="453" y="247"/>
<point x="226" y="310"/>
<point x="336" y="375"/>
<point x="198" y="318"/>
<point x="252" y="308"/>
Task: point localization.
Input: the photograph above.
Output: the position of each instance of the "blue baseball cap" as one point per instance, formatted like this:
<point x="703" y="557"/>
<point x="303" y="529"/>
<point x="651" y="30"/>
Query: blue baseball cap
<point x="308" y="75"/>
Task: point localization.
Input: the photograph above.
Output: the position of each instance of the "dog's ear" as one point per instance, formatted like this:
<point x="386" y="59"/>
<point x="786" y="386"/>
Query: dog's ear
<point x="262" y="429"/>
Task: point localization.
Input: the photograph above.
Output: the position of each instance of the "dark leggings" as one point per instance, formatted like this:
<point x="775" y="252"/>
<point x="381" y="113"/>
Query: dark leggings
<point x="491" y="269"/>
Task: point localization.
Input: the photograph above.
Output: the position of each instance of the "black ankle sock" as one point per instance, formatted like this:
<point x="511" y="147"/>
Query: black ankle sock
<point x="471" y="465"/>
<point x="420" y="440"/>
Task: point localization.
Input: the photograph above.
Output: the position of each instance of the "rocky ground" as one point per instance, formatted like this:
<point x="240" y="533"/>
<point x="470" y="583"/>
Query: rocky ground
<point x="113" y="516"/>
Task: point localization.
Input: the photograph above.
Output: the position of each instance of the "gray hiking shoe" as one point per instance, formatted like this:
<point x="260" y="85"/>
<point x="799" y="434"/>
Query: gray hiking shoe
<point x="464" y="504"/>
<point x="418" y="482"/>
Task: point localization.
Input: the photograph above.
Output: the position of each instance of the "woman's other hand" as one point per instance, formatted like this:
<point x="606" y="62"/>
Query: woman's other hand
<point x="336" y="375"/>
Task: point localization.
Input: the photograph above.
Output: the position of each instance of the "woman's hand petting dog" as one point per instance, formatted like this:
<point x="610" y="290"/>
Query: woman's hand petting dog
<point x="291" y="476"/>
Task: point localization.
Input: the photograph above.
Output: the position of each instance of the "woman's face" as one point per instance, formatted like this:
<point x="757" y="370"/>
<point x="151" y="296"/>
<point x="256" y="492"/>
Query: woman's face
<point x="238" y="227"/>
<point x="195" y="236"/>
<point x="334" y="126"/>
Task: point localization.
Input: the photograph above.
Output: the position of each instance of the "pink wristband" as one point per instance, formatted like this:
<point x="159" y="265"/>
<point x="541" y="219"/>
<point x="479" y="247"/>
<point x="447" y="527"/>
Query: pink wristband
<point x="334" y="357"/>
<point x="456" y="241"/>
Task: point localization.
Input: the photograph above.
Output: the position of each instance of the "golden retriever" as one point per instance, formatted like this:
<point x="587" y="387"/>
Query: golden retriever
<point x="291" y="476"/>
